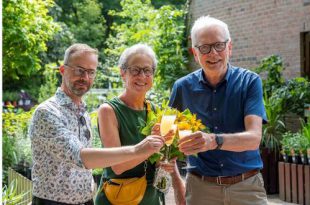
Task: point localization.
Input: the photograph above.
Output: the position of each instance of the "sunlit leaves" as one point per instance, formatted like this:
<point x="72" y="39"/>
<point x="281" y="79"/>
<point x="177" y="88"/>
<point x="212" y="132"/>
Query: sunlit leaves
<point x="26" y="28"/>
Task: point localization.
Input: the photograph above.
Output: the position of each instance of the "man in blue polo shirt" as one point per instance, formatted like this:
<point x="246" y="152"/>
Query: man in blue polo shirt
<point x="228" y="100"/>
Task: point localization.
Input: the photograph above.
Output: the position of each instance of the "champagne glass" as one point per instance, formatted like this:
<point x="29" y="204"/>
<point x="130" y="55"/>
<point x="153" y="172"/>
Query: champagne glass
<point x="167" y="123"/>
<point x="174" y="127"/>
<point x="183" y="133"/>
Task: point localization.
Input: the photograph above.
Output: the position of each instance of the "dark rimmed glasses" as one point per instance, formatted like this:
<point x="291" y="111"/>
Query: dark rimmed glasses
<point x="206" y="48"/>
<point x="135" y="71"/>
<point x="80" y="71"/>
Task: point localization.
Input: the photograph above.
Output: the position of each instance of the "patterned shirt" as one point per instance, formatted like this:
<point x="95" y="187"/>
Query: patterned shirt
<point x="58" y="131"/>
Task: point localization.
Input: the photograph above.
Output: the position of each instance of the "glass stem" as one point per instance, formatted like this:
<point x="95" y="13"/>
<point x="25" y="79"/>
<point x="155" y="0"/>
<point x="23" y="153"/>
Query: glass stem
<point x="167" y="154"/>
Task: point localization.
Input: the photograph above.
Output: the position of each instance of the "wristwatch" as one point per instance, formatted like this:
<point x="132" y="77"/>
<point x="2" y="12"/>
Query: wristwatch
<point x="219" y="141"/>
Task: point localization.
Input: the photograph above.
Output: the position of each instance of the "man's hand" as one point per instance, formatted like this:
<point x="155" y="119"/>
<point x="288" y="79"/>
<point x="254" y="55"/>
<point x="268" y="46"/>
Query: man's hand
<point x="150" y="145"/>
<point x="197" y="142"/>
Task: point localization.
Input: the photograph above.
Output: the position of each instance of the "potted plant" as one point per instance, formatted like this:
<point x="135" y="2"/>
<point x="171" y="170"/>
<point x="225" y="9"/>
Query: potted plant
<point x="10" y="97"/>
<point x="270" y="144"/>
<point x="286" y="146"/>
<point x="306" y="134"/>
<point x="272" y="131"/>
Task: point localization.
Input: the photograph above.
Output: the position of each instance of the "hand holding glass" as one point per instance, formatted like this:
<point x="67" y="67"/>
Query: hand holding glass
<point x="183" y="133"/>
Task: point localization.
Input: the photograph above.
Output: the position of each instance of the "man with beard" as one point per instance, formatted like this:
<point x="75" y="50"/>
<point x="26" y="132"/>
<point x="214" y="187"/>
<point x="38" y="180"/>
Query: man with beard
<point x="228" y="100"/>
<point x="60" y="134"/>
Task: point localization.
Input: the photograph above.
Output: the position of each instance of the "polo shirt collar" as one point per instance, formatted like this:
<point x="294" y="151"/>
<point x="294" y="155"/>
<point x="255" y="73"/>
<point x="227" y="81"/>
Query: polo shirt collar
<point x="203" y="80"/>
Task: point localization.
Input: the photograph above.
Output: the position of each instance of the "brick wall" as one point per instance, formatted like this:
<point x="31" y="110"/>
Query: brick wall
<point x="259" y="28"/>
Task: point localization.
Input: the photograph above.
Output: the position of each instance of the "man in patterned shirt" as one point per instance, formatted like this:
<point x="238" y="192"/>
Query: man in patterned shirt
<point x="61" y="138"/>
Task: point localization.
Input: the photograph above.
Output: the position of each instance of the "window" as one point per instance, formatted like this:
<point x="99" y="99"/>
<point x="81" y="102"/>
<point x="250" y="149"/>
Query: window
<point x="305" y="54"/>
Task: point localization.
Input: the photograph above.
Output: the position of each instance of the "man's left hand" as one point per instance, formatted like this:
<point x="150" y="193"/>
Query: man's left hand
<point x="197" y="142"/>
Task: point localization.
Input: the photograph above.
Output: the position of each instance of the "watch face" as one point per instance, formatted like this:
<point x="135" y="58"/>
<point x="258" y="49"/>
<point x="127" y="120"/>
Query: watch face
<point x="219" y="141"/>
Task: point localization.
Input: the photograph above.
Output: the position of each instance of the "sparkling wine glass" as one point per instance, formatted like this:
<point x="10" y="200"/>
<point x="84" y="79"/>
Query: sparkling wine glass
<point x="167" y="123"/>
<point x="183" y="133"/>
<point x="174" y="127"/>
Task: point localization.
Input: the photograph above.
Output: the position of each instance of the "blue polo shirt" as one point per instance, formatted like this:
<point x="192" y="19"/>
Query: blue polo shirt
<point x="222" y="109"/>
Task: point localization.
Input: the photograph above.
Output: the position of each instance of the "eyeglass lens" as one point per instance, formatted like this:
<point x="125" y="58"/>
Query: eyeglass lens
<point x="137" y="71"/>
<point x="206" y="48"/>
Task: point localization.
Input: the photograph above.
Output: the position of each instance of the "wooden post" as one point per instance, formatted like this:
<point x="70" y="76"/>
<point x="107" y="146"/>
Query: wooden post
<point x="281" y="181"/>
<point x="307" y="184"/>
<point x="294" y="183"/>
<point x="288" y="190"/>
<point x="301" y="182"/>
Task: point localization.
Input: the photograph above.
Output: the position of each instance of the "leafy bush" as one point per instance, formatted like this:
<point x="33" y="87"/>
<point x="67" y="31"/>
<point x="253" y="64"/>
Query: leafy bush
<point x="294" y="141"/>
<point x="273" y="67"/>
<point x="10" y="196"/>
<point x="293" y="94"/>
<point x="10" y="96"/>
<point x="51" y="82"/>
<point x="306" y="131"/>
<point x="16" y="143"/>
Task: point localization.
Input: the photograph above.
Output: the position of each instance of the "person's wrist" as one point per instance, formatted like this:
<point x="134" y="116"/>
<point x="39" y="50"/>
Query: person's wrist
<point x="175" y="174"/>
<point x="219" y="140"/>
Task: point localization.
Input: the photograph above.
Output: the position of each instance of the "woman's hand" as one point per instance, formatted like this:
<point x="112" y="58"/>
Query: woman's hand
<point x="156" y="131"/>
<point x="170" y="167"/>
<point x="150" y="144"/>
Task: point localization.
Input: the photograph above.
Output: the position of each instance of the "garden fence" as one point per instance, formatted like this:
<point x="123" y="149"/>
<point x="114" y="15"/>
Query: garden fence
<point x="23" y="184"/>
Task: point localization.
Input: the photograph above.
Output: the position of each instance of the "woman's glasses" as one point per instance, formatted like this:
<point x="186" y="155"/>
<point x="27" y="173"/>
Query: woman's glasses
<point x="135" y="71"/>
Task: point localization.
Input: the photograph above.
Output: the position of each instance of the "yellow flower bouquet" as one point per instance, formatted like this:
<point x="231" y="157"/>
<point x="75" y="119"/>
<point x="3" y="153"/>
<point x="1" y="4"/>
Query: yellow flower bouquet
<point x="184" y="120"/>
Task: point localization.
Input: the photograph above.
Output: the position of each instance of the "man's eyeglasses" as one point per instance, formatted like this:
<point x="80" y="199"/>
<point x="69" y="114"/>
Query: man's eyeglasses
<point x="206" y="48"/>
<point x="135" y="71"/>
<point x="80" y="71"/>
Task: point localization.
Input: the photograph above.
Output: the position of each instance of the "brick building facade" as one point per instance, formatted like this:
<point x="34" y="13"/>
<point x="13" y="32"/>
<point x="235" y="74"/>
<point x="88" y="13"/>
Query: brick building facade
<point x="260" y="28"/>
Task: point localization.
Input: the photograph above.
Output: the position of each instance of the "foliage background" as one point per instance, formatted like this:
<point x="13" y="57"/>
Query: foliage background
<point x="36" y="34"/>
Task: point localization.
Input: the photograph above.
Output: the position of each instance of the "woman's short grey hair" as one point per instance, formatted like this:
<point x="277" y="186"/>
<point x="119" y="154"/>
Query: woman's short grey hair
<point x="204" y="22"/>
<point x="78" y="48"/>
<point x="136" y="49"/>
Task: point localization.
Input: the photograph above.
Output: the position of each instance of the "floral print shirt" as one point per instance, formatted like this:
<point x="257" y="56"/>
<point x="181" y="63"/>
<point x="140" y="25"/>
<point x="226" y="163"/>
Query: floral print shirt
<point x="58" y="131"/>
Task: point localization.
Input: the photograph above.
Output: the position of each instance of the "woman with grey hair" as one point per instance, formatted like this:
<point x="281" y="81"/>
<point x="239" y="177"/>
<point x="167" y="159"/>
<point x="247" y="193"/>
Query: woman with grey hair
<point x="121" y="118"/>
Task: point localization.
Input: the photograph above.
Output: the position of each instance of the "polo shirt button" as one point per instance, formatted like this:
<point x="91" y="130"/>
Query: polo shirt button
<point x="222" y="165"/>
<point x="214" y="91"/>
<point x="214" y="109"/>
<point x="215" y="127"/>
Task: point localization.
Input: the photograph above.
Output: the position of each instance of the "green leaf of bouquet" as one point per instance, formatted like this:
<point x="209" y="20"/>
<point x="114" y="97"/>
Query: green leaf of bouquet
<point x="175" y="152"/>
<point x="151" y="116"/>
<point x="150" y="122"/>
<point x="146" y="130"/>
<point x="187" y="113"/>
<point x="155" y="158"/>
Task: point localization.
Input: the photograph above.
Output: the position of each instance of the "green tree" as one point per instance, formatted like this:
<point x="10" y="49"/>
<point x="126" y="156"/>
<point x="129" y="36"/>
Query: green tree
<point x="26" y="29"/>
<point x="162" y="28"/>
<point x="84" y="19"/>
<point x="51" y="79"/>
<point x="160" y="3"/>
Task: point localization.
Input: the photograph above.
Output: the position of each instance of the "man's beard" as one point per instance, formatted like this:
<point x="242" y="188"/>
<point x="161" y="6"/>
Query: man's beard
<point x="78" y="92"/>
